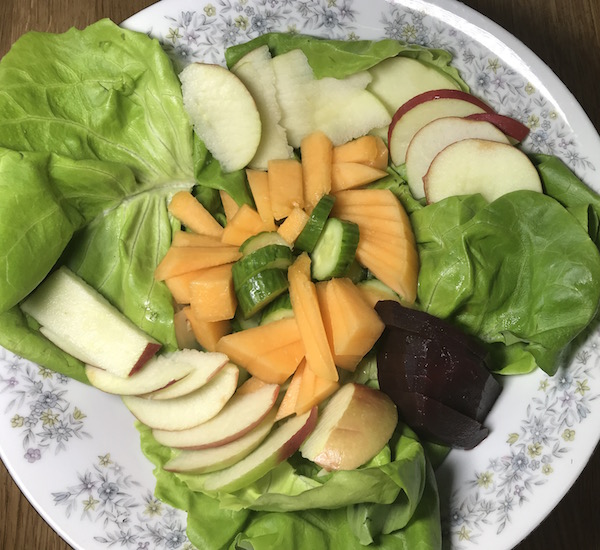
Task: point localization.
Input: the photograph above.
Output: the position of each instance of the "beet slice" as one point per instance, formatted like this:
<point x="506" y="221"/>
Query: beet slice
<point x="436" y="422"/>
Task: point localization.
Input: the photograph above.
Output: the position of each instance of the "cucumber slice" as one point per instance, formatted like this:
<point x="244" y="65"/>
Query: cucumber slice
<point x="280" y="308"/>
<point x="271" y="256"/>
<point x="261" y="240"/>
<point x="335" y="250"/>
<point x="260" y="290"/>
<point x="314" y="226"/>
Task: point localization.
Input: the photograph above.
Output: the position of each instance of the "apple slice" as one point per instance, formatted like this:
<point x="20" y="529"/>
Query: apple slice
<point x="515" y="130"/>
<point x="256" y="72"/>
<point x="436" y="136"/>
<point x="242" y="413"/>
<point x="218" y="458"/>
<point x="223" y="113"/>
<point x="398" y="79"/>
<point x="354" y="426"/>
<point x="189" y="410"/>
<point x="282" y="443"/>
<point x="88" y="326"/>
<point x="421" y="110"/>
<point x="479" y="166"/>
<point x="160" y="373"/>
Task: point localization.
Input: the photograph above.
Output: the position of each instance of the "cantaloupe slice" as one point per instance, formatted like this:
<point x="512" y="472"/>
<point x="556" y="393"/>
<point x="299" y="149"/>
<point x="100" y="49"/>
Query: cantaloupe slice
<point x="250" y="386"/>
<point x="313" y="389"/>
<point x="244" y="346"/>
<point x="212" y="296"/>
<point x="179" y="286"/>
<point x="288" y="403"/>
<point x="316" y="150"/>
<point x="245" y="224"/>
<point x="258" y="181"/>
<point x="179" y="260"/>
<point x="368" y="150"/>
<point x="293" y="225"/>
<point x="349" y="175"/>
<point x="285" y="186"/>
<point x="185" y="238"/>
<point x="207" y="333"/>
<point x="229" y="205"/>
<point x="191" y="213"/>
<point x="371" y="197"/>
<point x="305" y="304"/>
<point x="277" y="365"/>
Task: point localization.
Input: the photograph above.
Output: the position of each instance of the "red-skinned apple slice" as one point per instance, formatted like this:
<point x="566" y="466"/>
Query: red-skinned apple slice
<point x="515" y="130"/>
<point x="282" y="443"/>
<point x="189" y="410"/>
<point x="160" y="373"/>
<point x="479" y="166"/>
<point x="436" y="136"/>
<point x="217" y="458"/>
<point x="240" y="415"/>
<point x="352" y="428"/>
<point x="80" y="320"/>
<point x="421" y="110"/>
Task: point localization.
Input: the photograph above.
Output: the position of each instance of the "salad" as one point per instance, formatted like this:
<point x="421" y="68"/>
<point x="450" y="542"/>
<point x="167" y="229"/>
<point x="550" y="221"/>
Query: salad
<point x="105" y="144"/>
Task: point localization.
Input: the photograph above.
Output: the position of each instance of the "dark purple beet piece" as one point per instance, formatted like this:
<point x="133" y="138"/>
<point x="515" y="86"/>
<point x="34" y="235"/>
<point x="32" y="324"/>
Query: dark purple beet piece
<point x="436" y="422"/>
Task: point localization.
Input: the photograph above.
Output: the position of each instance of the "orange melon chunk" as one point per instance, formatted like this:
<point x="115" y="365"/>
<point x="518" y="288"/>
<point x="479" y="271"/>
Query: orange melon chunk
<point x="368" y="150"/>
<point x="229" y="205"/>
<point x="277" y="365"/>
<point x="212" y="296"/>
<point x="190" y="212"/>
<point x="348" y="175"/>
<point x="245" y="224"/>
<point x="316" y="150"/>
<point x="245" y="346"/>
<point x="185" y="238"/>
<point x="371" y="197"/>
<point x="179" y="286"/>
<point x="288" y="403"/>
<point x="250" y="386"/>
<point x="293" y="225"/>
<point x="313" y="389"/>
<point x="258" y="181"/>
<point x="285" y="186"/>
<point x="179" y="260"/>
<point x="207" y="333"/>
<point x="305" y="305"/>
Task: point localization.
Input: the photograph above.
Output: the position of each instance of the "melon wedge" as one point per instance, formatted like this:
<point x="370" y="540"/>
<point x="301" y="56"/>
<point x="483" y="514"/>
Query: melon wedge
<point x="191" y="213"/>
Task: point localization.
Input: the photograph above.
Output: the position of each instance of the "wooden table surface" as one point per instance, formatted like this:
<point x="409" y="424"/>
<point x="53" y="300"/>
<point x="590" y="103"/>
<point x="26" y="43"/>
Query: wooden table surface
<point x="565" y="34"/>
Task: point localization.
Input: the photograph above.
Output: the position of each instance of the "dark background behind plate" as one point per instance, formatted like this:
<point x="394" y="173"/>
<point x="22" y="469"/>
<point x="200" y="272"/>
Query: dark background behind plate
<point x="565" y="34"/>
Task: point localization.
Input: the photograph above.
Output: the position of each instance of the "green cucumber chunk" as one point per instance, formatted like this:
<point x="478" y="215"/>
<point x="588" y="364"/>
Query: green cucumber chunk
<point x="335" y="250"/>
<point x="260" y="290"/>
<point x="280" y="308"/>
<point x="314" y="226"/>
<point x="271" y="256"/>
<point x="262" y="239"/>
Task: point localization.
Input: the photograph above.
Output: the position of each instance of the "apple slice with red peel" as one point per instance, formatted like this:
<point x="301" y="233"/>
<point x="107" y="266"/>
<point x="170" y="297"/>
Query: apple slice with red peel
<point x="161" y="372"/>
<point x="223" y="113"/>
<point x="189" y="410"/>
<point x="282" y="443"/>
<point x="515" y="130"/>
<point x="353" y="427"/>
<point x="218" y="458"/>
<point x="479" y="166"/>
<point x="240" y="415"/>
<point x="421" y="110"/>
<point x="436" y="136"/>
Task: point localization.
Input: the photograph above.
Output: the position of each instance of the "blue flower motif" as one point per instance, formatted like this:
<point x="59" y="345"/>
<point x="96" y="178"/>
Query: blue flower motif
<point x="108" y="491"/>
<point x="48" y="399"/>
<point x="175" y="539"/>
<point x="564" y="381"/>
<point x="520" y="462"/>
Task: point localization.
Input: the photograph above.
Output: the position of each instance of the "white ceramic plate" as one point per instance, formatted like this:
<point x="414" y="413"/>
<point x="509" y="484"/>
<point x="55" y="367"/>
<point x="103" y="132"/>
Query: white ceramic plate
<point x="74" y="451"/>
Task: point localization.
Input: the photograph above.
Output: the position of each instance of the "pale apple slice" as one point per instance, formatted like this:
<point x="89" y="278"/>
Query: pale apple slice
<point x="161" y="372"/>
<point x="218" y="458"/>
<point x="189" y="410"/>
<point x="223" y="113"/>
<point x="353" y="427"/>
<point x="398" y="79"/>
<point x="282" y="443"/>
<point x="479" y="166"/>
<point x="514" y="129"/>
<point x="256" y="72"/>
<point x="421" y="110"/>
<point x="436" y="136"/>
<point x="77" y="318"/>
<point x="242" y="413"/>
